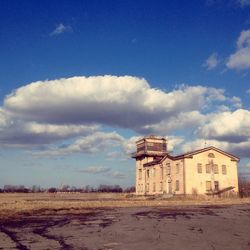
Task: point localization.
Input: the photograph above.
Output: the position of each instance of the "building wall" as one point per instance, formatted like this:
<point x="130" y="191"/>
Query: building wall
<point x="160" y="178"/>
<point x="182" y="176"/>
<point x="141" y="177"/>
<point x="196" y="182"/>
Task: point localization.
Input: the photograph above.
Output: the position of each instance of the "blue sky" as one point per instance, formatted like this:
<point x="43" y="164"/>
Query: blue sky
<point x="82" y="80"/>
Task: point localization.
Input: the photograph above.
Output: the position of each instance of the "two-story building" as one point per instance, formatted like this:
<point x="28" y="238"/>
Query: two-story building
<point x="204" y="171"/>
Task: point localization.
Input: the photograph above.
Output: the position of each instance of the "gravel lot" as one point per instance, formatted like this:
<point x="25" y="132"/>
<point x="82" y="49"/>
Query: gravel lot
<point x="152" y="227"/>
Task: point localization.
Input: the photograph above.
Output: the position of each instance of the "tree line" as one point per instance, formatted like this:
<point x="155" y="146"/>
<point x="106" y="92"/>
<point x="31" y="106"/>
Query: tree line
<point x="244" y="186"/>
<point x="67" y="189"/>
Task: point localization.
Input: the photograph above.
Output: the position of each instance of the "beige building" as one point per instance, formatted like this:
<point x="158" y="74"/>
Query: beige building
<point x="204" y="171"/>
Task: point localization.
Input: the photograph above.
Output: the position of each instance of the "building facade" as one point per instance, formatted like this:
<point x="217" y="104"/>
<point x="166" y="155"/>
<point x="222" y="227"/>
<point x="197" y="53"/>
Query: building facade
<point x="204" y="171"/>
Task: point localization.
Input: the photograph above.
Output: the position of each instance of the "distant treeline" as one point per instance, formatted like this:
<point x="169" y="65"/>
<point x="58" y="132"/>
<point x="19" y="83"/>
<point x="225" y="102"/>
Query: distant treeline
<point x="244" y="186"/>
<point x="66" y="188"/>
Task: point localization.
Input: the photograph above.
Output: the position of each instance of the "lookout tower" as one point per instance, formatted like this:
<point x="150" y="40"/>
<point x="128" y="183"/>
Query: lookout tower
<point x="149" y="150"/>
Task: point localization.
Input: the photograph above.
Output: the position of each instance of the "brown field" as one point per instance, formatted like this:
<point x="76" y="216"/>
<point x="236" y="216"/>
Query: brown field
<point x="115" y="221"/>
<point x="17" y="204"/>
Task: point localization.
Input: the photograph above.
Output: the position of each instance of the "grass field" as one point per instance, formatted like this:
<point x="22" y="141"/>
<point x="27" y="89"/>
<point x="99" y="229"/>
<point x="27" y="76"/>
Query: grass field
<point x="33" y="203"/>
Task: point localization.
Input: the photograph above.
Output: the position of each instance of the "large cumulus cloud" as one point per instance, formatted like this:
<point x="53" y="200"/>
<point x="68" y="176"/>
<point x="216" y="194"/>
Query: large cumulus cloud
<point x="78" y="108"/>
<point x="124" y="101"/>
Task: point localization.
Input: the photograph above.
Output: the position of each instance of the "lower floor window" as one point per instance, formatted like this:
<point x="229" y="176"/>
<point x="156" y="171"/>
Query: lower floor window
<point x="216" y="186"/>
<point x="208" y="186"/>
<point x="177" y="185"/>
<point x="161" y="186"/>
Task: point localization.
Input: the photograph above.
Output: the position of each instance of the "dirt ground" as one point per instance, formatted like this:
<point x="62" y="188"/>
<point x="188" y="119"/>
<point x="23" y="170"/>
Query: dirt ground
<point x="67" y="223"/>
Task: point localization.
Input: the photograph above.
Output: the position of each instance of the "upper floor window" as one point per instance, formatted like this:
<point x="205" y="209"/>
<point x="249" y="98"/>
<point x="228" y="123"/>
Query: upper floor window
<point x="216" y="170"/>
<point x="168" y="169"/>
<point x="154" y="172"/>
<point x="224" y="169"/>
<point x="177" y="168"/>
<point x="147" y="173"/>
<point x="208" y="168"/>
<point x="199" y="168"/>
<point x="140" y="173"/>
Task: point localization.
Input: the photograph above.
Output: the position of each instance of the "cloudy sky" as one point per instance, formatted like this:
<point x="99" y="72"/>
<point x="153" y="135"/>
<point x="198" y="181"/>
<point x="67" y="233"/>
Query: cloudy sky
<point x="81" y="81"/>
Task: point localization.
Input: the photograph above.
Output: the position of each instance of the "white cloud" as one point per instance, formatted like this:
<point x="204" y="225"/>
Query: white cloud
<point x="236" y="101"/>
<point x="212" y="61"/>
<point x="244" y="39"/>
<point x="241" y="149"/>
<point x="59" y="29"/>
<point x="118" y="175"/>
<point x="94" y="170"/>
<point x="243" y="3"/>
<point x="248" y="165"/>
<point x="129" y="145"/>
<point x="127" y="102"/>
<point x="4" y="119"/>
<point x="185" y="120"/>
<point x="105" y="143"/>
<point x="115" y="155"/>
<point x="18" y="133"/>
<point x="240" y="60"/>
<point x="228" y="126"/>
<point x="214" y="94"/>
<point x="173" y="142"/>
<point x="90" y="144"/>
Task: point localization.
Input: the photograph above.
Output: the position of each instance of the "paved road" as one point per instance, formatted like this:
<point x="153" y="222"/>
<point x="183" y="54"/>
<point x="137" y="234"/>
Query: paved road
<point x="193" y="227"/>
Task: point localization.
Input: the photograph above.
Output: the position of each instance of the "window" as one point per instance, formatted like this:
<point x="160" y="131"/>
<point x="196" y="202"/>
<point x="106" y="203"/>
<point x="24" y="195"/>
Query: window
<point x="216" y="170"/>
<point x="161" y="169"/>
<point x="140" y="174"/>
<point x="177" y="168"/>
<point x="147" y="173"/>
<point x="208" y="168"/>
<point x="211" y="155"/>
<point x="216" y="186"/>
<point x="154" y="146"/>
<point x="168" y="169"/>
<point x="139" y="188"/>
<point x="224" y="169"/>
<point x="177" y="185"/>
<point x="161" y="186"/>
<point x="141" y="147"/>
<point x="199" y="168"/>
<point x="147" y="187"/>
<point x="154" y="172"/>
<point x="153" y="187"/>
<point x="208" y="186"/>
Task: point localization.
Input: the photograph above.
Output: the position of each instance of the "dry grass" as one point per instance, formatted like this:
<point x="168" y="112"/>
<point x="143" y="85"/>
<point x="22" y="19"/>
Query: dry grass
<point x="42" y="203"/>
